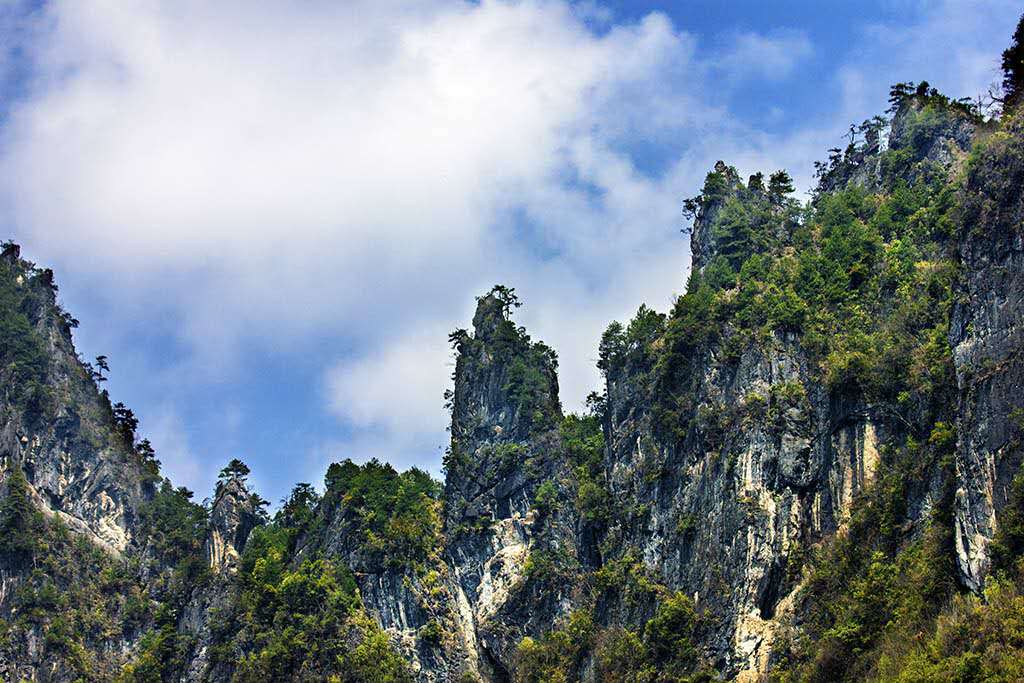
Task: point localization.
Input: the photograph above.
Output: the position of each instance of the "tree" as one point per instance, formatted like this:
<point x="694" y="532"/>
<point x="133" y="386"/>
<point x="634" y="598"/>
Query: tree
<point x="125" y="422"/>
<point x="780" y="185"/>
<point x="297" y="510"/>
<point x="1013" y="69"/>
<point x="458" y="337"/>
<point x="97" y="375"/>
<point x="339" y="476"/>
<point x="507" y="297"/>
<point x="898" y="93"/>
<point x="236" y="470"/>
<point x="691" y="207"/>
<point x="756" y="182"/>
<point x="20" y="522"/>
<point x="145" y="450"/>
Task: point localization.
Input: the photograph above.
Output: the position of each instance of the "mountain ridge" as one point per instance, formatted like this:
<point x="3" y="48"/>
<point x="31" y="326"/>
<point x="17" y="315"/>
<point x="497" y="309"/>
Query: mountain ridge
<point x="800" y="465"/>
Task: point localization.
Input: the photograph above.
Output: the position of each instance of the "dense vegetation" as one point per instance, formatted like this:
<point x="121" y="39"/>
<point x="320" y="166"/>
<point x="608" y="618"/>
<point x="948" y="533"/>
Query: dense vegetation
<point x="862" y="281"/>
<point x="300" y="620"/>
<point x="865" y="278"/>
<point x="74" y="597"/>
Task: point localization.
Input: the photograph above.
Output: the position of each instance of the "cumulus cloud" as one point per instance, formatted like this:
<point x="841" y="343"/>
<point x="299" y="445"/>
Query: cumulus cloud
<point x="396" y="388"/>
<point x="356" y="171"/>
<point x="769" y="56"/>
<point x="361" y="169"/>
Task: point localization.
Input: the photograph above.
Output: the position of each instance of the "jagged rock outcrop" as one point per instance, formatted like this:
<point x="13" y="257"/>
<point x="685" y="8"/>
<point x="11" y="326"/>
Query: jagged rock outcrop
<point x="411" y="597"/>
<point x="55" y="423"/>
<point x="505" y="445"/>
<point x="768" y="462"/>
<point x="735" y="436"/>
<point x="987" y="336"/>
<point x="233" y="516"/>
<point x="62" y="447"/>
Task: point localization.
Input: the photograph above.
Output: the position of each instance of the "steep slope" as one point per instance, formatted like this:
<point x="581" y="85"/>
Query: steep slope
<point x="77" y="455"/>
<point x="987" y="335"/>
<point x="70" y="473"/>
<point x="808" y="469"/>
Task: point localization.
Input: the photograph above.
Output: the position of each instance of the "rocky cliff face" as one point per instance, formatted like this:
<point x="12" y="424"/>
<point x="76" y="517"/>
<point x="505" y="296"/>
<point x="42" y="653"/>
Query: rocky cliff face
<point x="839" y="384"/>
<point x="754" y="458"/>
<point x="69" y="472"/>
<point x="58" y="426"/>
<point x="505" y="446"/>
<point x="987" y="336"/>
<point x="232" y="519"/>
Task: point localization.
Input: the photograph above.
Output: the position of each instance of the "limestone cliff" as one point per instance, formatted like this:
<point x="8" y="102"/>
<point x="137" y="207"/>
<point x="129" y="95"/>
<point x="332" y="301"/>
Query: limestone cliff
<point x="806" y="459"/>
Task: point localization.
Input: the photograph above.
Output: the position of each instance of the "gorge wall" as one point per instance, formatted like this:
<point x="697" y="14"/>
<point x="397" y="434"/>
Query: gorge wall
<point x="812" y="455"/>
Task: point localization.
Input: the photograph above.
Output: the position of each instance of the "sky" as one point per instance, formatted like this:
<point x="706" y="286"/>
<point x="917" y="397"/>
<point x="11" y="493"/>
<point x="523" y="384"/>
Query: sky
<point x="269" y="215"/>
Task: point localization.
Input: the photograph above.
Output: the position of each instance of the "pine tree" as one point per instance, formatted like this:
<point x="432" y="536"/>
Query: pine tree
<point x="236" y="470"/>
<point x="780" y="185"/>
<point x="20" y="522"/>
<point x="1013" y="69"/>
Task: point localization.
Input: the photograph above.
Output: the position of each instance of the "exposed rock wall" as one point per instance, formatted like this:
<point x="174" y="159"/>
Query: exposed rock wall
<point x="61" y="435"/>
<point x="987" y="336"/>
<point x="721" y="471"/>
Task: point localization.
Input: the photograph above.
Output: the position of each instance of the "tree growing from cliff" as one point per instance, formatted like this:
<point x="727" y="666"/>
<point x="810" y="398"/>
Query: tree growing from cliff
<point x="507" y="297"/>
<point x="125" y="422"/>
<point x="1013" y="69"/>
<point x="236" y="470"/>
<point x="20" y="522"/>
<point x="104" y="366"/>
<point x="756" y="182"/>
<point x="780" y="184"/>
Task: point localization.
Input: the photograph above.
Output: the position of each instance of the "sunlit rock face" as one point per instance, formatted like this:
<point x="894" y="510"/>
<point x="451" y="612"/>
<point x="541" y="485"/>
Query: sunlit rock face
<point x="722" y="458"/>
<point x="58" y="428"/>
<point x="233" y="516"/>
<point x="987" y="335"/>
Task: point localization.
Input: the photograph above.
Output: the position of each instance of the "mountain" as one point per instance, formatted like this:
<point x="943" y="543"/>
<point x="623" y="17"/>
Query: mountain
<point x="808" y="469"/>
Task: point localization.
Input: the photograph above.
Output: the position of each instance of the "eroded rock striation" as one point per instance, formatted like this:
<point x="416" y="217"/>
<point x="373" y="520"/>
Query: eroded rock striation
<point x="811" y="455"/>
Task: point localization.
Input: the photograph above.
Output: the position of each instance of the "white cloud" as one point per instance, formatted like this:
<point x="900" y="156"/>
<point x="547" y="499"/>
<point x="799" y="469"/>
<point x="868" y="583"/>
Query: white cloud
<point x="166" y="430"/>
<point x="277" y="171"/>
<point x="772" y="56"/>
<point x="309" y="145"/>
<point x="397" y="388"/>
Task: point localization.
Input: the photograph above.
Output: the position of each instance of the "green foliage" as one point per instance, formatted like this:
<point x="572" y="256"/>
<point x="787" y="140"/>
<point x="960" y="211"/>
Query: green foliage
<point x="553" y="657"/>
<point x="630" y="347"/>
<point x="668" y="636"/>
<point x="506" y="296"/>
<point x="868" y="592"/>
<point x="300" y="621"/>
<point x="1013" y="69"/>
<point x="546" y="497"/>
<point x="665" y="653"/>
<point x="626" y="578"/>
<point x="298" y="512"/>
<point x="431" y="632"/>
<point x="76" y="596"/>
<point x="780" y="184"/>
<point x="975" y="639"/>
<point x="174" y="526"/>
<point x="396" y="516"/>
<point x="584" y="443"/>
<point x="528" y="384"/>
<point x="1007" y="548"/>
<point x="549" y="566"/>
<point x="23" y="357"/>
<point x="20" y="522"/>
<point x="234" y="471"/>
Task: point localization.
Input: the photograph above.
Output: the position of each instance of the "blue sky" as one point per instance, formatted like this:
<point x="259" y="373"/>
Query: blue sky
<point x="269" y="215"/>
